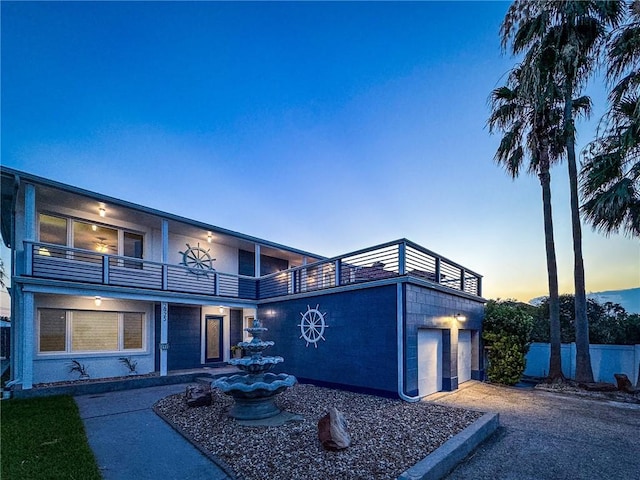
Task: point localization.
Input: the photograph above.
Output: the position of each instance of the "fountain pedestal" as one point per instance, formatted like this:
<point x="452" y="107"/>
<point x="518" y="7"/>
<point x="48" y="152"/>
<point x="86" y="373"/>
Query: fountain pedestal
<point x="254" y="392"/>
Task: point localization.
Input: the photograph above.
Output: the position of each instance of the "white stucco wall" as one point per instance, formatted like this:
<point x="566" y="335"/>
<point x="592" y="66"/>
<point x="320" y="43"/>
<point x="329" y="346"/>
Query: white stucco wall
<point x="605" y="361"/>
<point x="54" y="367"/>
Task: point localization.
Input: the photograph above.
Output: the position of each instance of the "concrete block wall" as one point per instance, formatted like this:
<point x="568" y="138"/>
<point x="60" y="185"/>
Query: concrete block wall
<point x="360" y="346"/>
<point x="429" y="308"/>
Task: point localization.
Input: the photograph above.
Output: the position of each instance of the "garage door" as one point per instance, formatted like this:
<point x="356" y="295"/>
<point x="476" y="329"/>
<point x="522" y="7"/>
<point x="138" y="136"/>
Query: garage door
<point x="429" y="361"/>
<point x="464" y="355"/>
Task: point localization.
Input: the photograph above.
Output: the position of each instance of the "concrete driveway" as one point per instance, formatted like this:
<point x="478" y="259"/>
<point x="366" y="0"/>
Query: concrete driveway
<point x="544" y="435"/>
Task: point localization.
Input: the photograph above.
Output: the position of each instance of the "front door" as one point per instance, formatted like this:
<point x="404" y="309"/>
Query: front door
<point x="213" y="342"/>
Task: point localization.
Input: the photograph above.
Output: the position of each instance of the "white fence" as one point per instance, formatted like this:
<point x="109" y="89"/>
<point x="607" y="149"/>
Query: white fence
<point x="605" y="361"/>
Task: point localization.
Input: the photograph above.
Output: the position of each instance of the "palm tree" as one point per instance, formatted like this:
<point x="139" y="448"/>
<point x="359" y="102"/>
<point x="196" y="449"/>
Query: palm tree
<point x="573" y="33"/>
<point x="610" y="177"/>
<point x="532" y="127"/>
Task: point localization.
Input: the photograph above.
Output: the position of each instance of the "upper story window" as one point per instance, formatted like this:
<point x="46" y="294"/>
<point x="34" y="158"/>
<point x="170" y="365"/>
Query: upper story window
<point x="90" y="236"/>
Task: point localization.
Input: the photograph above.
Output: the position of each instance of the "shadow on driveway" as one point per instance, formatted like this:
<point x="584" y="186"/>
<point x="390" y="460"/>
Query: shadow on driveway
<point x="544" y="435"/>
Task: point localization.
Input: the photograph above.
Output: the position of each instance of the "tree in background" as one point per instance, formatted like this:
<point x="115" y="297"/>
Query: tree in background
<point x="610" y="176"/>
<point x="609" y="323"/>
<point x="531" y="122"/>
<point x="573" y="33"/>
<point x="507" y="331"/>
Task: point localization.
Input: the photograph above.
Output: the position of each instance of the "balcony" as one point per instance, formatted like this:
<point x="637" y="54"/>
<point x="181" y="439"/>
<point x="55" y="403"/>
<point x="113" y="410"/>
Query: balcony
<point x="386" y="261"/>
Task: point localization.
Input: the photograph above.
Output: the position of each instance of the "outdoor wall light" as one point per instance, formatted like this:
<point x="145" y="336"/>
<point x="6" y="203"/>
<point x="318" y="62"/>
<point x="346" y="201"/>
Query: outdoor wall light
<point x="460" y="317"/>
<point x="94" y="228"/>
<point x="102" y="212"/>
<point x="209" y="237"/>
<point x="98" y="301"/>
<point x="221" y="309"/>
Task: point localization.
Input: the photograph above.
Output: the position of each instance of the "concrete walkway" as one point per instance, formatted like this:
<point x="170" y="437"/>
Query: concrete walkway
<point x="549" y="436"/>
<point x="132" y="443"/>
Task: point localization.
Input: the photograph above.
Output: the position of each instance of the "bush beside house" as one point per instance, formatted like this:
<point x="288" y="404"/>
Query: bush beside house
<point x="507" y="333"/>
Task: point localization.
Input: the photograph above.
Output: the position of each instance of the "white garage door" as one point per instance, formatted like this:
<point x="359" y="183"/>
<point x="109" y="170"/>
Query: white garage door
<point x="429" y="361"/>
<point x="464" y="355"/>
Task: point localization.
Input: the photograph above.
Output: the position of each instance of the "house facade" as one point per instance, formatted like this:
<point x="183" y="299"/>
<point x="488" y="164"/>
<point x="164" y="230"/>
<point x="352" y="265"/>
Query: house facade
<point x="97" y="279"/>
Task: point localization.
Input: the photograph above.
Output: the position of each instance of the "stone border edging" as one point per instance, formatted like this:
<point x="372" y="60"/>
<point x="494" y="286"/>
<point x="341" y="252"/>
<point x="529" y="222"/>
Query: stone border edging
<point x="445" y="458"/>
<point x="214" y="458"/>
<point x="105" y="386"/>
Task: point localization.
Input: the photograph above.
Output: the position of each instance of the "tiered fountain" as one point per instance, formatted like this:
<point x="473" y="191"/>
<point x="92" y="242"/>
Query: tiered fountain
<point x="254" y="391"/>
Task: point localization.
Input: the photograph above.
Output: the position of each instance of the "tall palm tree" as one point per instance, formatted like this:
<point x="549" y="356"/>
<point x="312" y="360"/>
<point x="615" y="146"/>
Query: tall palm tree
<point x="532" y="127"/>
<point x="573" y="32"/>
<point x="610" y="177"/>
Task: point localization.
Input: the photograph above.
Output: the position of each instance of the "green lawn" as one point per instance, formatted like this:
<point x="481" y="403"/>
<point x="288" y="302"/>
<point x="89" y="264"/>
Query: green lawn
<point x="44" y="438"/>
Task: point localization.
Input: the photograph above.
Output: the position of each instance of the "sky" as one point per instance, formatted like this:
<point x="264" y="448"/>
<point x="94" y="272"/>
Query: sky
<point x="328" y="127"/>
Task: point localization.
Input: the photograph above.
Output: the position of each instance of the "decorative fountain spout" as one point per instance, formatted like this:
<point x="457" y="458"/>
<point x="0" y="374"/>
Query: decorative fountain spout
<point x="254" y="391"/>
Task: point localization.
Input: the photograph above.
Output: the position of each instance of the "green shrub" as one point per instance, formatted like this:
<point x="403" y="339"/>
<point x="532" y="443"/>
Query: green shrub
<point x="507" y="331"/>
<point x="609" y="323"/>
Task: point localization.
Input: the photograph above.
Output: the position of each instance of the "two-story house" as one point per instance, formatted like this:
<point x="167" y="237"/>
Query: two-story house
<point x="96" y="279"/>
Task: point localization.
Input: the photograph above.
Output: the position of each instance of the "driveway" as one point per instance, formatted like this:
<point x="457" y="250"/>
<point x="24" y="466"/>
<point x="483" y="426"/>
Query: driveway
<point x="544" y="435"/>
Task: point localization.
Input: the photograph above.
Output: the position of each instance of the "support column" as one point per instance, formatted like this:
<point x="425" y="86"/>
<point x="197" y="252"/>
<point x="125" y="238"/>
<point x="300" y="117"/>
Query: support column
<point x="257" y="261"/>
<point x="30" y="223"/>
<point x="28" y="342"/>
<point x="164" y="337"/>
<point x="165" y="241"/>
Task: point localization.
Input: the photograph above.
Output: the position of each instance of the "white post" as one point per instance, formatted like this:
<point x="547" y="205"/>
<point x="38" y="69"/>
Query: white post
<point x="30" y="223"/>
<point x="165" y="241"/>
<point x="164" y="336"/>
<point x="257" y="261"/>
<point x="28" y="342"/>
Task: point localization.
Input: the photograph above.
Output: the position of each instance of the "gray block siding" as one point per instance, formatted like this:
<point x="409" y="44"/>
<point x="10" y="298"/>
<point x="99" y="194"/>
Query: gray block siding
<point x="360" y="349"/>
<point x="426" y="308"/>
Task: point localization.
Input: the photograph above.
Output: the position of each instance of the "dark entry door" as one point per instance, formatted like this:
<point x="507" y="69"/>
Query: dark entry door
<point x="213" y="343"/>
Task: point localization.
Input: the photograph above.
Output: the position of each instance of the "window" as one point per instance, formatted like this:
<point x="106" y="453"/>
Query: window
<point x="132" y="248"/>
<point x="94" y="331"/>
<point x="53" y="330"/>
<point x="66" y="331"/>
<point x="52" y="230"/>
<point x="89" y="236"/>
<point x="95" y="237"/>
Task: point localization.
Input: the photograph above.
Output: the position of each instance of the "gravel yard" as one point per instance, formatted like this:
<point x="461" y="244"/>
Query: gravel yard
<point x="388" y="436"/>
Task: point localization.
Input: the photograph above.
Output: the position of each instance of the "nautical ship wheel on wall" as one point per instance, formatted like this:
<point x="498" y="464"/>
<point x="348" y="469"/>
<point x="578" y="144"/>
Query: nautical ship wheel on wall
<point x="312" y="325"/>
<point x="198" y="260"/>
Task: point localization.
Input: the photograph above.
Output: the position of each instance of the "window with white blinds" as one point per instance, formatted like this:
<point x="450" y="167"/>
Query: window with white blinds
<point x="53" y="330"/>
<point x="94" y="331"/>
<point x="132" y="330"/>
<point x="69" y="331"/>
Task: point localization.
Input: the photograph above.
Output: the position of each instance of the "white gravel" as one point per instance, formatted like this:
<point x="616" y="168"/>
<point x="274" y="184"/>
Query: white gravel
<point x="388" y="436"/>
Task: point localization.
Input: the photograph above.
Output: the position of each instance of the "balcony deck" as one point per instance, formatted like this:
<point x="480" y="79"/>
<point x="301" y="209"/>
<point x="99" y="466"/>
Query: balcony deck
<point x="389" y="260"/>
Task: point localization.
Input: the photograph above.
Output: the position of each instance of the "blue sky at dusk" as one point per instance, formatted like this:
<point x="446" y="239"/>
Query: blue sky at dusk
<point x="329" y="127"/>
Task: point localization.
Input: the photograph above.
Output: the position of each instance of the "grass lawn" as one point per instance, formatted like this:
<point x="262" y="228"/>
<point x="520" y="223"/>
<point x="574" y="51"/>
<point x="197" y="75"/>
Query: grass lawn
<point x="44" y="438"/>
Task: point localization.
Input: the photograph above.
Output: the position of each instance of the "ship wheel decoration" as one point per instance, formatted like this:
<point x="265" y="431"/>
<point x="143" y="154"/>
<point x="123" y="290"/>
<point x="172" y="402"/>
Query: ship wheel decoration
<point x="312" y="325"/>
<point x="198" y="260"/>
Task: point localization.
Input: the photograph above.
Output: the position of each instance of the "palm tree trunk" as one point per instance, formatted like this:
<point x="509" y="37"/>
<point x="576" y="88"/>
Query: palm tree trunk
<point x="555" y="360"/>
<point x="584" y="372"/>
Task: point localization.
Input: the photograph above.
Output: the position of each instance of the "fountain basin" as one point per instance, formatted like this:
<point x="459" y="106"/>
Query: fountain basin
<point x="256" y="365"/>
<point x="254" y="394"/>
